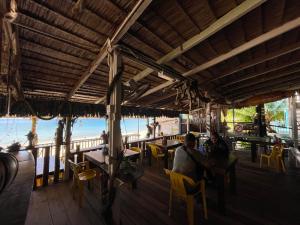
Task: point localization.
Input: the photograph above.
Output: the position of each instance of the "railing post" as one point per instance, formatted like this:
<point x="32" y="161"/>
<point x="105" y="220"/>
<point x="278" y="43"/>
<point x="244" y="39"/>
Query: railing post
<point x="46" y="166"/>
<point x="34" y="153"/>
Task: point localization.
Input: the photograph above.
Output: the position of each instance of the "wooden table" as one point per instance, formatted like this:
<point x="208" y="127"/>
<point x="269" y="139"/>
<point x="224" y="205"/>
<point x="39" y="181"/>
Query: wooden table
<point x="170" y="145"/>
<point x="254" y="141"/>
<point x="221" y="168"/>
<point x="97" y="158"/>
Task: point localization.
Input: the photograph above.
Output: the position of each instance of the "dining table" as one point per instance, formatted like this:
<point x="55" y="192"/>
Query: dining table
<point x="101" y="161"/>
<point x="165" y="146"/>
<point x="222" y="168"/>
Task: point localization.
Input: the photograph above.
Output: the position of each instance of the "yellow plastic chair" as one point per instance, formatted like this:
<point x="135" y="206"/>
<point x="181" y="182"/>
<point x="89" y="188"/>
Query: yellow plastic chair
<point x="136" y="149"/>
<point x="280" y="162"/>
<point x="155" y="151"/>
<point x="180" y="138"/>
<point x="81" y="173"/>
<point x="276" y="151"/>
<point x="177" y="187"/>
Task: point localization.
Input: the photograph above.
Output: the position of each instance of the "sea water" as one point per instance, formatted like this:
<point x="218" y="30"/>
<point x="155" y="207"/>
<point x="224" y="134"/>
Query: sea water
<point x="15" y="129"/>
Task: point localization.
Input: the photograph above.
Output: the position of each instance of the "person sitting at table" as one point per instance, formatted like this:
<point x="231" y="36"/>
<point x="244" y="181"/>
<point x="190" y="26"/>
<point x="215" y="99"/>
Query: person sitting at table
<point x="104" y="137"/>
<point x="216" y="146"/>
<point x="187" y="161"/>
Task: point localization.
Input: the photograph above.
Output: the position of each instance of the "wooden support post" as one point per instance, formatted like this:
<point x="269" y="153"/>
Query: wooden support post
<point x="293" y="114"/>
<point x="114" y="112"/>
<point x="208" y="119"/>
<point x="260" y="110"/>
<point x="68" y="147"/>
<point x="154" y="127"/>
<point x="46" y="166"/>
<point x="58" y="142"/>
<point x="34" y="153"/>
<point x="218" y="119"/>
<point x="33" y="130"/>
<point x="114" y="117"/>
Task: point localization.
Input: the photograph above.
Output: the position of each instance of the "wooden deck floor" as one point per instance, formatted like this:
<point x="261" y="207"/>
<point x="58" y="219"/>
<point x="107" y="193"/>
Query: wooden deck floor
<point x="264" y="198"/>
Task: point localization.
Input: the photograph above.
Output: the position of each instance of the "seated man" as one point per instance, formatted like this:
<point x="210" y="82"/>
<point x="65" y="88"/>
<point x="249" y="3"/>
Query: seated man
<point x="187" y="159"/>
<point x="217" y="147"/>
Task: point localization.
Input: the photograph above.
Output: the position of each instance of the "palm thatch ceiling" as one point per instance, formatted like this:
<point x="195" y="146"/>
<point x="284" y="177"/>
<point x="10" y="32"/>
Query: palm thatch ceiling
<point x="236" y="49"/>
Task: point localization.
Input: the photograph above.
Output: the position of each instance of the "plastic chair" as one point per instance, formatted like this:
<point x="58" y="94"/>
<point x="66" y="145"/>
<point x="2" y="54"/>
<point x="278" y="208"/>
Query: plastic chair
<point x="177" y="181"/>
<point x="276" y="151"/>
<point x="81" y="173"/>
<point x="136" y="149"/>
<point x="155" y="151"/>
<point x="180" y="138"/>
<point x="280" y="158"/>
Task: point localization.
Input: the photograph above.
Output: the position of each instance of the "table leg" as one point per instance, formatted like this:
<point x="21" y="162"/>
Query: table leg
<point x="149" y="155"/>
<point x="253" y="152"/>
<point x="104" y="186"/>
<point x="232" y="178"/>
<point x="221" y="193"/>
<point x="166" y="158"/>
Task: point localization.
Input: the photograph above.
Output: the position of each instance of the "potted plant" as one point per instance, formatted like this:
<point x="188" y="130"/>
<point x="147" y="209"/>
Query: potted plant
<point x="14" y="147"/>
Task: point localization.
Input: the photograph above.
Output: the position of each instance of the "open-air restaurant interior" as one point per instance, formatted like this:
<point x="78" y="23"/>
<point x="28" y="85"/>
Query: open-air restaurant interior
<point x="141" y="112"/>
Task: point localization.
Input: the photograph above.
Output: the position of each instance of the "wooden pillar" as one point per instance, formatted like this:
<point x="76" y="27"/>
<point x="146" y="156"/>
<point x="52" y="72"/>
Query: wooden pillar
<point x="46" y="166"/>
<point x="293" y="115"/>
<point x="208" y="119"/>
<point x="58" y="142"/>
<point x="33" y="130"/>
<point x="260" y="110"/>
<point x="218" y="119"/>
<point x="154" y="127"/>
<point x="114" y="141"/>
<point x="68" y="147"/>
<point x="114" y="113"/>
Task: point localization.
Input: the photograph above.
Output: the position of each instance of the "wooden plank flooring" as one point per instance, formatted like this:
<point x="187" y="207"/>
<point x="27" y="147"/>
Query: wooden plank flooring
<point x="264" y="198"/>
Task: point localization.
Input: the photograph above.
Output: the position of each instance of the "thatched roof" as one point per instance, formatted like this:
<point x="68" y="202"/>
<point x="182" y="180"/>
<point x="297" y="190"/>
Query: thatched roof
<point x="247" y="48"/>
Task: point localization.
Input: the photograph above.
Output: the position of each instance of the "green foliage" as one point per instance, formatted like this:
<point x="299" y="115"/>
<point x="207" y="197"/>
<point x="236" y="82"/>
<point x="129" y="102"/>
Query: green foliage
<point x="275" y="110"/>
<point x="246" y="114"/>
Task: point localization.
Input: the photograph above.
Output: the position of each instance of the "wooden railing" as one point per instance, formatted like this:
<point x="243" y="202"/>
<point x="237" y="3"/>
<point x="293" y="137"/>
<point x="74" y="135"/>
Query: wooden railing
<point x="45" y="155"/>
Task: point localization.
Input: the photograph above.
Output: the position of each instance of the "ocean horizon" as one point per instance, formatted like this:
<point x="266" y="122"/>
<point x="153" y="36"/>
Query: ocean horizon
<point x="15" y="129"/>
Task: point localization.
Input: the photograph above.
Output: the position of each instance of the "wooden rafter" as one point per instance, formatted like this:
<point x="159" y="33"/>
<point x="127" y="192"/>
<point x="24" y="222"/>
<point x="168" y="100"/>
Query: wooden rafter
<point x="278" y="84"/>
<point x="123" y="28"/>
<point x="262" y="79"/>
<point x="219" y="24"/>
<point x="256" y="61"/>
<point x="235" y="82"/>
<point x="242" y="48"/>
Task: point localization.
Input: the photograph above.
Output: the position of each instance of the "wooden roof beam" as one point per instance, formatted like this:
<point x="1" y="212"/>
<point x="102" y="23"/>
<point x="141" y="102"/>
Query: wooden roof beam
<point x="256" y="61"/>
<point x="293" y="85"/>
<point x="218" y="25"/>
<point x="262" y="80"/>
<point x="245" y="78"/>
<point x="278" y="84"/>
<point x="120" y="32"/>
<point x="242" y="48"/>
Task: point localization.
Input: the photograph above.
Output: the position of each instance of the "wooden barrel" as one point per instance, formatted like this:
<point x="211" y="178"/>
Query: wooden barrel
<point x="8" y="169"/>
